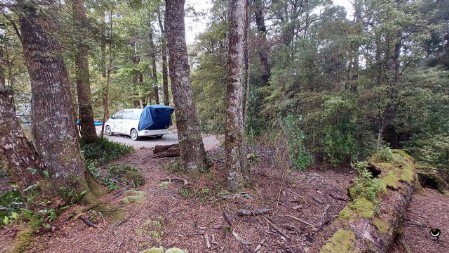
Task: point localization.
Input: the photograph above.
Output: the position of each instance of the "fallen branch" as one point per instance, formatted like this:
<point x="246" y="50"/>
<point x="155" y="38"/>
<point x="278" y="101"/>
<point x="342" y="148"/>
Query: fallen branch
<point x="227" y="218"/>
<point x="206" y="237"/>
<point x="166" y="151"/>
<point x="175" y="179"/>
<point x="88" y="222"/>
<point x="262" y="243"/>
<point x="276" y="228"/>
<point x="337" y="197"/>
<point x="325" y="219"/>
<point x="246" y="212"/>
<point x="301" y="220"/>
<point x="239" y="238"/>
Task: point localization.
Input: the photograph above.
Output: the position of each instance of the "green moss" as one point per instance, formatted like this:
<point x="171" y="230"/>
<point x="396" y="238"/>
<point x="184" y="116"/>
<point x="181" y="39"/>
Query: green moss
<point x="381" y="225"/>
<point x="346" y="213"/>
<point x="363" y="207"/>
<point x="153" y="250"/>
<point x="175" y="250"/>
<point x="22" y="240"/>
<point x="407" y="174"/>
<point x="390" y="179"/>
<point x="341" y="242"/>
<point x="133" y="197"/>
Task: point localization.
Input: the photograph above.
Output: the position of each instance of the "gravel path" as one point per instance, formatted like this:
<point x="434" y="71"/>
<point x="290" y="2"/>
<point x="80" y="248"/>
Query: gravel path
<point x="210" y="141"/>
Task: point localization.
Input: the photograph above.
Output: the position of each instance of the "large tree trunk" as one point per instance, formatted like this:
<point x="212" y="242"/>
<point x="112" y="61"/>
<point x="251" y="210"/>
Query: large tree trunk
<point x="164" y="62"/>
<point x="20" y="154"/>
<point x="234" y="150"/>
<point x="153" y="66"/>
<point x="191" y="144"/>
<point x="54" y="129"/>
<point x="263" y="49"/>
<point x="88" y="131"/>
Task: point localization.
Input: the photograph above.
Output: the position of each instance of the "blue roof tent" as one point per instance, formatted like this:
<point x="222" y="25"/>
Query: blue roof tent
<point x="155" y="117"/>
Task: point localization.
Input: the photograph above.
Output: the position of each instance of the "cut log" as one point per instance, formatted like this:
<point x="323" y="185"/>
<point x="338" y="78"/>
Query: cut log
<point x="160" y="151"/>
<point x="371" y="225"/>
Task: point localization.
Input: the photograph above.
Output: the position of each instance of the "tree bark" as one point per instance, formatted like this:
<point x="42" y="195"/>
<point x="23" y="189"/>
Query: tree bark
<point x="20" y="153"/>
<point x="54" y="128"/>
<point x="87" y="127"/>
<point x="234" y="150"/>
<point x="191" y="144"/>
<point x="154" y="69"/>
<point x="2" y="68"/>
<point x="262" y="36"/>
<point x="164" y="62"/>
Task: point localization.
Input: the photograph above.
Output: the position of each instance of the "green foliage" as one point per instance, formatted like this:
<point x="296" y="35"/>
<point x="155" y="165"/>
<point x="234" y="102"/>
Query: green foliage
<point x="297" y="152"/>
<point x="10" y="204"/>
<point x="385" y="154"/>
<point x="104" y="150"/>
<point x="365" y="185"/>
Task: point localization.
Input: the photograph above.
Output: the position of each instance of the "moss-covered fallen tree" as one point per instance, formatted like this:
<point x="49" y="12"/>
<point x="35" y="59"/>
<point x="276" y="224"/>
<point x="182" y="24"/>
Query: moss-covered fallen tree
<point x="370" y="221"/>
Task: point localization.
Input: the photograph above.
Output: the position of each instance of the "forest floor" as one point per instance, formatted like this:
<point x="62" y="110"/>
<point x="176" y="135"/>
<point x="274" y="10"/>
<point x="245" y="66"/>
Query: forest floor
<point x="299" y="206"/>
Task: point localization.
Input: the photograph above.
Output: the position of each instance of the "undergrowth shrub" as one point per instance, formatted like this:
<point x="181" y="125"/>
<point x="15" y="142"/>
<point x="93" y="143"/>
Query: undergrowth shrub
<point x="104" y="150"/>
<point x="365" y="185"/>
<point x="297" y="151"/>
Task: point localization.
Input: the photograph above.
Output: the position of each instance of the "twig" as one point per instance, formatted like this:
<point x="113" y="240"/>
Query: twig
<point x="88" y="222"/>
<point x="300" y="220"/>
<point x="239" y="238"/>
<point x="262" y="243"/>
<point x="276" y="228"/>
<point x="337" y="197"/>
<point x="324" y="217"/>
<point x="174" y="179"/>
<point x="245" y="212"/>
<point x="227" y="218"/>
<point x="317" y="200"/>
<point x="213" y="240"/>
<point x="206" y="237"/>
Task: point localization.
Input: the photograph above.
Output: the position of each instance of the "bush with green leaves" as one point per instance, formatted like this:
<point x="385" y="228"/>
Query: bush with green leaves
<point x="365" y="185"/>
<point x="297" y="151"/>
<point x="104" y="150"/>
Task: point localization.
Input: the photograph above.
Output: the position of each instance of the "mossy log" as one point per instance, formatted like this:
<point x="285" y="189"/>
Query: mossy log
<point x="371" y="225"/>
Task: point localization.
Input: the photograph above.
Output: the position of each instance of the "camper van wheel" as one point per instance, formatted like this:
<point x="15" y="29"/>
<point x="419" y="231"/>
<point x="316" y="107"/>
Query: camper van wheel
<point x="108" y="131"/>
<point x="134" y="135"/>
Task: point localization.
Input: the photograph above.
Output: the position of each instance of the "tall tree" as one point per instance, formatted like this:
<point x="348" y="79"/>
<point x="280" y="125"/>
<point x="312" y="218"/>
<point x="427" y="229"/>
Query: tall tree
<point x="164" y="60"/>
<point x="54" y="129"/>
<point x="14" y="145"/>
<point x="234" y="150"/>
<point x="153" y="67"/>
<point x="191" y="144"/>
<point x="263" y="50"/>
<point x="88" y="131"/>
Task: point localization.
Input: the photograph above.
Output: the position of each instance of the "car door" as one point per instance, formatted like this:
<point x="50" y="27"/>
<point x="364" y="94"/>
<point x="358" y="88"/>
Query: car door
<point x="115" y="122"/>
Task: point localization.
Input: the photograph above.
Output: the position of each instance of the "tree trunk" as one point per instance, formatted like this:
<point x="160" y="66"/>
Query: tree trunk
<point x="262" y="38"/>
<point x="154" y="69"/>
<point x="234" y="150"/>
<point x="2" y="68"/>
<point x="20" y="154"/>
<point x="191" y="144"/>
<point x="164" y="62"/>
<point x="54" y="129"/>
<point x="88" y="131"/>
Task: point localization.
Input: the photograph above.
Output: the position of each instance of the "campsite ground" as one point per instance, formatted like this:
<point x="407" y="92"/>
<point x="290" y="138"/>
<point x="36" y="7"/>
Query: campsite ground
<point x="173" y="214"/>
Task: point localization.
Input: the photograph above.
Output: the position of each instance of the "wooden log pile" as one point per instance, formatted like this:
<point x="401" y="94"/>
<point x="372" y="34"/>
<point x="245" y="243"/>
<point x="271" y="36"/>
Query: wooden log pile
<point x="160" y="151"/>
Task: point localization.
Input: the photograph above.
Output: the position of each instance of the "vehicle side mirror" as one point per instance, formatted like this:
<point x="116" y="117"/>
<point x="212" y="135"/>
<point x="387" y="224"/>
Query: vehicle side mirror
<point x="113" y="117"/>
